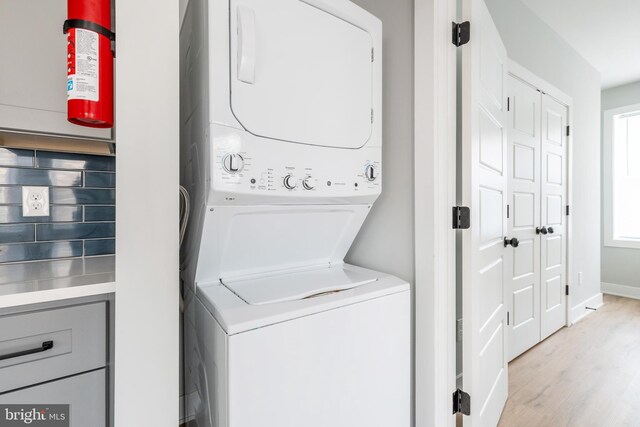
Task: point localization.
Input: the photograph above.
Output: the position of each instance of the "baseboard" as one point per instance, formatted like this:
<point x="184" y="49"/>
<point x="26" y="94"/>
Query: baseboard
<point x="580" y="311"/>
<point x="621" y="290"/>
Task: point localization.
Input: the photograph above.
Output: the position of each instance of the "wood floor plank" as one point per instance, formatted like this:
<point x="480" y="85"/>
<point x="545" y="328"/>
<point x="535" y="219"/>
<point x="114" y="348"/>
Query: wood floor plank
<point x="583" y="376"/>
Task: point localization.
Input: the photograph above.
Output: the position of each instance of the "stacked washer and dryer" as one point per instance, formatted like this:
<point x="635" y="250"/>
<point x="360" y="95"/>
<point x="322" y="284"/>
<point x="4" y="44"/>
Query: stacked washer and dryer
<point x="281" y="154"/>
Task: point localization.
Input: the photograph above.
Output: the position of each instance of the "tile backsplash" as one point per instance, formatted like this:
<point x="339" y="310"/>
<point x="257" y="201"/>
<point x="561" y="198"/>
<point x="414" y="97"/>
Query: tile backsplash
<point x="82" y="197"/>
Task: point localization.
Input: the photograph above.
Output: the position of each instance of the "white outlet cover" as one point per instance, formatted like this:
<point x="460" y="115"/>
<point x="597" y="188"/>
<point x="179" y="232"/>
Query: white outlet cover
<point x="35" y="201"/>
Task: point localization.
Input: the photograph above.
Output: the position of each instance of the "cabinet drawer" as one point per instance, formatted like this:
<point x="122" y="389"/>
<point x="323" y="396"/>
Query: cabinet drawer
<point x="76" y="335"/>
<point x="85" y="394"/>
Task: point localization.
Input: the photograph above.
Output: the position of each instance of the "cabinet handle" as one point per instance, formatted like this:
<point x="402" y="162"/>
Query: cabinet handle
<point x="542" y="230"/>
<point x="550" y="230"/>
<point x="46" y="345"/>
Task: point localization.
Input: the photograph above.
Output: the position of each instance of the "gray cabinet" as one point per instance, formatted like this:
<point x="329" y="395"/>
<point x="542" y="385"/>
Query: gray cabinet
<point x="84" y="393"/>
<point x="33" y="51"/>
<point x="76" y="337"/>
<point x="58" y="354"/>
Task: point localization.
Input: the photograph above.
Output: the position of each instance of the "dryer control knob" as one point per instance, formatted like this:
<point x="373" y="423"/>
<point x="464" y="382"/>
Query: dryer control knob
<point x="290" y="182"/>
<point x="371" y="173"/>
<point x="233" y="163"/>
<point x="309" y="183"/>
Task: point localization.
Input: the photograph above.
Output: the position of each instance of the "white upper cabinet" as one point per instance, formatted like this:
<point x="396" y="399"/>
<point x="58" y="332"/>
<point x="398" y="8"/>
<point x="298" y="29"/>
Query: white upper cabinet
<point x="33" y="76"/>
<point x="300" y="74"/>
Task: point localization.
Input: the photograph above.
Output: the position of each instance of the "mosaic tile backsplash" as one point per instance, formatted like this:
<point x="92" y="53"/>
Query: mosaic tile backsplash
<point x="82" y="198"/>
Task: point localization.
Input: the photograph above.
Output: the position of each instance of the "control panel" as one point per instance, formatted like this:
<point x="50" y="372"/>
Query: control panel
<point x="244" y="169"/>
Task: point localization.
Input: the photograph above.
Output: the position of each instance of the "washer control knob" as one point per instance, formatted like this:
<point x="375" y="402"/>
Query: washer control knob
<point x="233" y="163"/>
<point x="289" y="182"/>
<point x="371" y="173"/>
<point x="309" y="183"/>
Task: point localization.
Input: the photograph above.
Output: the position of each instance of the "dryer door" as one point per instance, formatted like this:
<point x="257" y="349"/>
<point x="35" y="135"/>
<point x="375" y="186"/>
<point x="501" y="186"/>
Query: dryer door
<point x="300" y="74"/>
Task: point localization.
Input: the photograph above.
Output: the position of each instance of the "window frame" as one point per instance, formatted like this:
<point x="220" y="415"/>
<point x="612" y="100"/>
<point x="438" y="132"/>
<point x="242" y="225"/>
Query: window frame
<point x="608" y="185"/>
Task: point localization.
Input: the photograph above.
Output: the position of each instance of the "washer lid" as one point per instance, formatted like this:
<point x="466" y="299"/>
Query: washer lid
<point x="300" y="285"/>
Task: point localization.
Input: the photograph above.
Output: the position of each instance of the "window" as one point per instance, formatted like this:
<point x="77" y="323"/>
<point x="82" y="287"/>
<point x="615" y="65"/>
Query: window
<point x="622" y="176"/>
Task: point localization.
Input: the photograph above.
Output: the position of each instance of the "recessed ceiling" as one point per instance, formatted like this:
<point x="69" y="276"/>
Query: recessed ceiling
<point x="605" y="32"/>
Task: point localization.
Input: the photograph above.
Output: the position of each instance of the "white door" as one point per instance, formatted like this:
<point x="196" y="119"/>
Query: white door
<point x="484" y="191"/>
<point x="523" y="269"/>
<point x="553" y="254"/>
<point x="301" y="73"/>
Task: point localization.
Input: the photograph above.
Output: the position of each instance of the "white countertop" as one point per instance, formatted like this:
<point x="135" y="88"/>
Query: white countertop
<point x="44" y="281"/>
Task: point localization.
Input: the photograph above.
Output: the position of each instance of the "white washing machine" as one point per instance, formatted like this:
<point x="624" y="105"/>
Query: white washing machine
<point x="281" y="154"/>
<point x="292" y="350"/>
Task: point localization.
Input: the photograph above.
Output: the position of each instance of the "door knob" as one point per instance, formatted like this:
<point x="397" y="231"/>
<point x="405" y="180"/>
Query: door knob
<point x="542" y="230"/>
<point x="513" y="242"/>
<point x="550" y="229"/>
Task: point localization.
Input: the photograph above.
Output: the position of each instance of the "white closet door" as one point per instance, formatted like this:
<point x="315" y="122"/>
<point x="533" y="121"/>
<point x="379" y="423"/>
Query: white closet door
<point x="484" y="190"/>
<point x="523" y="268"/>
<point x="553" y="254"/>
<point x="300" y="73"/>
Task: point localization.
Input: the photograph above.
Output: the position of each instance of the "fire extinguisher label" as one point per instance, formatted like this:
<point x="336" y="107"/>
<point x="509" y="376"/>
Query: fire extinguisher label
<point x="82" y="82"/>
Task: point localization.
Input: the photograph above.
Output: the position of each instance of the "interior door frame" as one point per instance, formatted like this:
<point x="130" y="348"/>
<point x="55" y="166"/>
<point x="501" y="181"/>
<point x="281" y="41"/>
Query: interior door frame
<point x="518" y="71"/>
<point x="434" y="195"/>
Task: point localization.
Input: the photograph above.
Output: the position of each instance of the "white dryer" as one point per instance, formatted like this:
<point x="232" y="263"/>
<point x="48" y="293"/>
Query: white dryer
<point x="281" y="153"/>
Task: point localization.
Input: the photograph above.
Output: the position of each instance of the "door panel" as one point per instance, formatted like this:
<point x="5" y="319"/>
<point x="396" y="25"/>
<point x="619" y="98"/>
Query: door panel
<point x="523" y="275"/>
<point x="524" y="210"/>
<point x="524" y="308"/>
<point x="554" y="168"/>
<point x="524" y="160"/>
<point x="523" y="259"/>
<point x="484" y="190"/>
<point x="554" y="245"/>
<point x="553" y="289"/>
<point x="300" y="74"/>
<point x="554" y="210"/>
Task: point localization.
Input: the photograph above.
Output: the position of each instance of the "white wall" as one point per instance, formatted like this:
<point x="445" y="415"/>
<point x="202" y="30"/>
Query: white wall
<point x="620" y="266"/>
<point x="535" y="46"/>
<point x="385" y="242"/>
<point x="146" y="330"/>
<point x="408" y="232"/>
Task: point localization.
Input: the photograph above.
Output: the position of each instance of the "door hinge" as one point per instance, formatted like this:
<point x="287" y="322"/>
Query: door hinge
<point x="461" y="402"/>
<point x="508" y="318"/>
<point x="372" y="115"/>
<point x="508" y="103"/>
<point x="567" y="211"/>
<point x="508" y="211"/>
<point x="566" y="290"/>
<point x="460" y="33"/>
<point x="461" y="217"/>
<point x="568" y="130"/>
<point x="372" y="54"/>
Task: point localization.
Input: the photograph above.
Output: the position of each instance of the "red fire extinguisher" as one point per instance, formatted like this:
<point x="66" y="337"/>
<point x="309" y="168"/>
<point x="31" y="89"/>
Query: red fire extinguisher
<point x="89" y="63"/>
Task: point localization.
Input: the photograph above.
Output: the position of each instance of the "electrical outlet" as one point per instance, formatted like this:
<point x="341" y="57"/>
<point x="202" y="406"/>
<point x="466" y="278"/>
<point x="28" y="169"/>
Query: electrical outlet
<point x="459" y="330"/>
<point x="35" y="201"/>
<point x="580" y="278"/>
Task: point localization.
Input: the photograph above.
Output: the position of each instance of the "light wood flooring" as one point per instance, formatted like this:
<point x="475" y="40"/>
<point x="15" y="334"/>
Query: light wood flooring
<point x="583" y="376"/>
